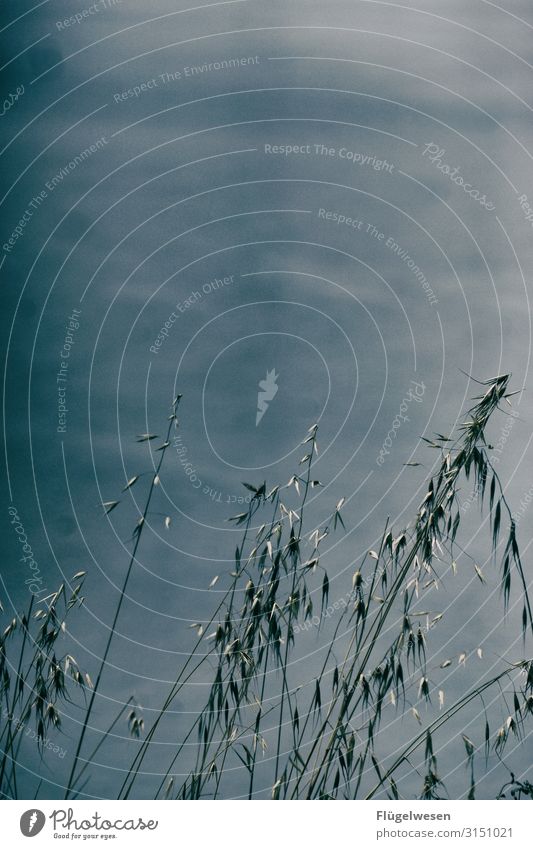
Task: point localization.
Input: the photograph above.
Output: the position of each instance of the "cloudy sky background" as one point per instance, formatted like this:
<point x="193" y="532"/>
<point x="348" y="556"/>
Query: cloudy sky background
<point x="181" y="194"/>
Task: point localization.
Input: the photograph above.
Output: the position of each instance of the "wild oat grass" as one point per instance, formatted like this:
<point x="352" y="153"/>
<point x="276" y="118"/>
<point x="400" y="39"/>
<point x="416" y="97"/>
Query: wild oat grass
<point x="318" y="739"/>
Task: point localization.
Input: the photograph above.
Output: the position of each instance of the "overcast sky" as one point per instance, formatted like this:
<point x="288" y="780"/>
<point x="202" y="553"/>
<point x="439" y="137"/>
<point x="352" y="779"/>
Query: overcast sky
<point x="249" y="192"/>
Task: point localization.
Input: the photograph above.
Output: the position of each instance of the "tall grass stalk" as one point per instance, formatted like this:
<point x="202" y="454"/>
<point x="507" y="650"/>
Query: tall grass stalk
<point x="72" y="779"/>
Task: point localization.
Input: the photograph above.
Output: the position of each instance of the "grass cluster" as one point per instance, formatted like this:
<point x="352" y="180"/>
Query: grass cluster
<point x="262" y="731"/>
